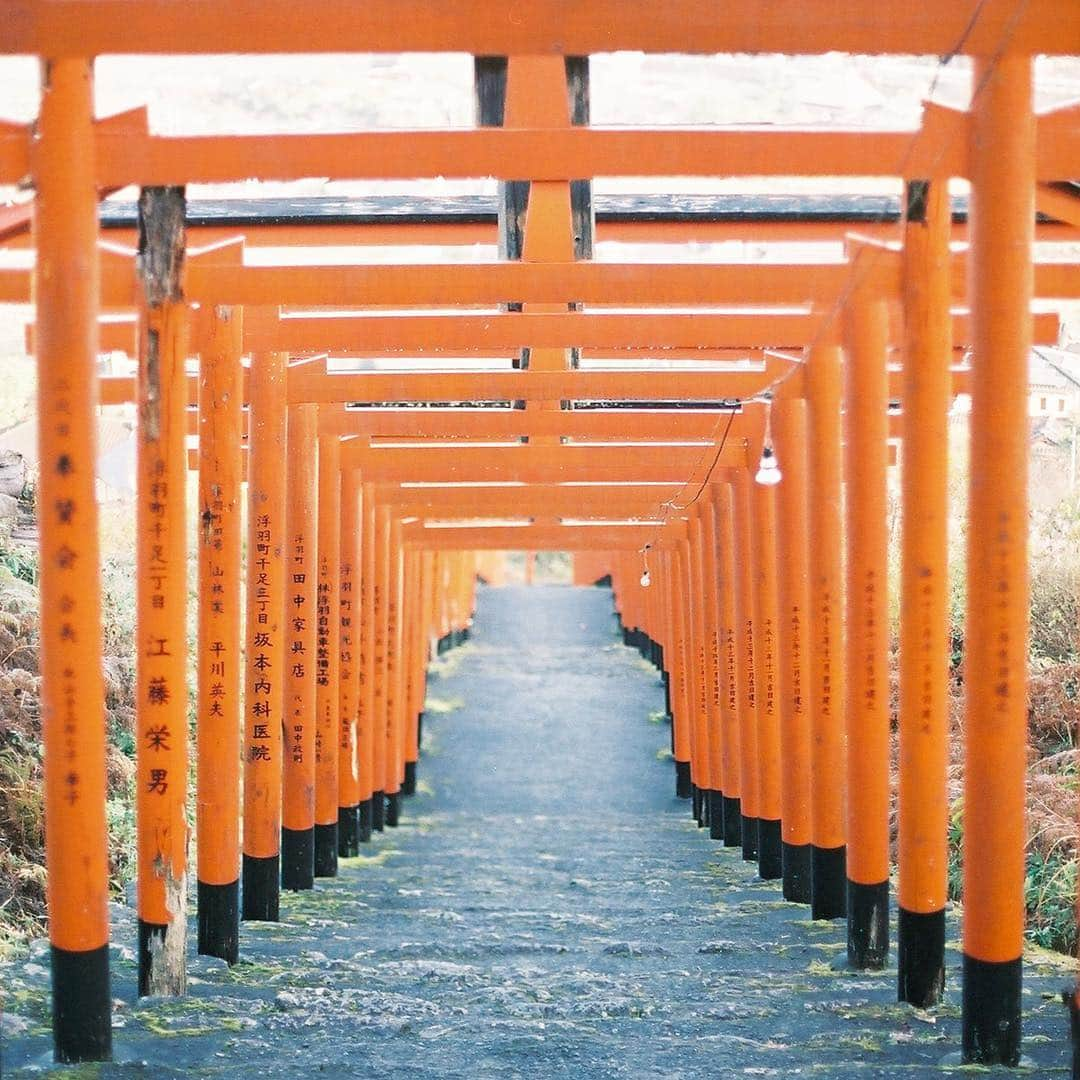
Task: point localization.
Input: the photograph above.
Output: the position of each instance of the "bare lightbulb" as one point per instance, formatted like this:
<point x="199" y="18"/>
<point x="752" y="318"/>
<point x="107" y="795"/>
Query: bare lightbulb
<point x="646" y="580"/>
<point x="768" y="473"/>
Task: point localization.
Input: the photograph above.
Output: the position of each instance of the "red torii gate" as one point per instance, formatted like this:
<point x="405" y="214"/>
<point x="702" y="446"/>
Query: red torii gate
<point x="1007" y="153"/>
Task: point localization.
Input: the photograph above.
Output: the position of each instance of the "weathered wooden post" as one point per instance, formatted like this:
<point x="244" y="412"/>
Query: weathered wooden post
<point x="66" y="282"/>
<point x="161" y="595"/>
<point x="220" y="334"/>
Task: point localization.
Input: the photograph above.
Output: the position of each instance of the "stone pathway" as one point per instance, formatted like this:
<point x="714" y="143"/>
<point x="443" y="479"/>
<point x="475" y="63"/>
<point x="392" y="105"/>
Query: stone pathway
<point x="546" y="909"/>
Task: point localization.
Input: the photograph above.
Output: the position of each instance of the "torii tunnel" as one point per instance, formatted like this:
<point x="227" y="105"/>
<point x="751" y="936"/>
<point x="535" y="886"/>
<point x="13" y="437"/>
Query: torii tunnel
<point x="715" y="437"/>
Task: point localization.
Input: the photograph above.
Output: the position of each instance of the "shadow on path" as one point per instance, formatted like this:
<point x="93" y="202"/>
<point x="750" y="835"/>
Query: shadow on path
<point x="547" y="908"/>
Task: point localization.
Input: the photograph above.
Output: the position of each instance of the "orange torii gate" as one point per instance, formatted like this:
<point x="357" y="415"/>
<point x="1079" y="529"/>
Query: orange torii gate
<point x="750" y="605"/>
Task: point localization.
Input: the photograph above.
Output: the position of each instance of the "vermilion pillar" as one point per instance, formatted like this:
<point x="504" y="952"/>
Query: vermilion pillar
<point x="72" y="693"/>
<point x="731" y="740"/>
<point x="161" y="702"/>
<point x="826" y="685"/>
<point x="380" y="638"/>
<point x="219" y="335"/>
<point x="713" y="666"/>
<point x="265" y="637"/>
<point x="680" y="735"/>
<point x="766" y="657"/>
<point x="395" y="697"/>
<point x="328" y="658"/>
<point x="995" y="664"/>
<point x="866" y="605"/>
<point x="924" y="595"/>
<point x="301" y="594"/>
<point x="793" y="597"/>
<point x="699" y="668"/>
<point x="348" y="672"/>
<point x="749" y="765"/>
<point x="366" y="660"/>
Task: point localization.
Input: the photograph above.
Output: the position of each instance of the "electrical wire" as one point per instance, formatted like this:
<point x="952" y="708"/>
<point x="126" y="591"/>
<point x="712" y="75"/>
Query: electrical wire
<point x="861" y="268"/>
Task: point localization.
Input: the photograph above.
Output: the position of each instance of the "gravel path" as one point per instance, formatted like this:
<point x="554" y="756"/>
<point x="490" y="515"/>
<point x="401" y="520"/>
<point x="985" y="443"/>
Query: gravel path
<point x="547" y="908"/>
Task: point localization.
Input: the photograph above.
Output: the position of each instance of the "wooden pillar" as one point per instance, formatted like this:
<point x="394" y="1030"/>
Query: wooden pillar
<point x="995" y="664"/>
<point x="732" y="678"/>
<point x="161" y="701"/>
<point x="924" y="596"/>
<point x="220" y="336"/>
<point x="348" y="671"/>
<point x="749" y="764"/>
<point x="265" y="637"/>
<point x="414" y="674"/>
<point x="395" y="698"/>
<point x="793" y="597"/>
<point x="714" y="666"/>
<point x="328" y="658"/>
<point x="766" y="656"/>
<point x="301" y="596"/>
<point x="380" y="689"/>
<point x="66" y="281"/>
<point x="366" y="661"/>
<point x="680" y="735"/>
<point x="866" y="606"/>
<point x="828" y="871"/>
<point x="699" y="702"/>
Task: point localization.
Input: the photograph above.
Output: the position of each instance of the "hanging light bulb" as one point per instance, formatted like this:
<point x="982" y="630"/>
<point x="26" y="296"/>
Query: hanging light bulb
<point x="768" y="474"/>
<point x="646" y="581"/>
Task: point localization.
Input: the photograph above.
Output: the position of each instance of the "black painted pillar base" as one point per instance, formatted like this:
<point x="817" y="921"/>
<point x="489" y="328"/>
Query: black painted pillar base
<point x="326" y="849"/>
<point x="991" y="1012"/>
<point x="348" y="832"/>
<point x="920" y="957"/>
<point x="219" y="921"/>
<point x="695" y="803"/>
<point x="393" y="809"/>
<point x="260" y="888"/>
<point x="1069" y="997"/>
<point x="420" y="730"/>
<point x="770" y="857"/>
<point x="363" y="822"/>
<point x="378" y="811"/>
<point x="867" y="925"/>
<point x="750" y="839"/>
<point x="298" y="859"/>
<point x="408" y="784"/>
<point x="828" y="882"/>
<point x="732" y="822"/>
<point x="716" y="815"/>
<point x="81" y="1005"/>
<point x="796" y="861"/>
<point x="682" y="780"/>
<point x="706" y="802"/>
<point x="148" y="933"/>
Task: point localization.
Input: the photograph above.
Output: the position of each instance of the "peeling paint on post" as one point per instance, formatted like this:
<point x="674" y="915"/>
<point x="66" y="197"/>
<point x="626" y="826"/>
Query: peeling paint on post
<point x="161" y="597"/>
